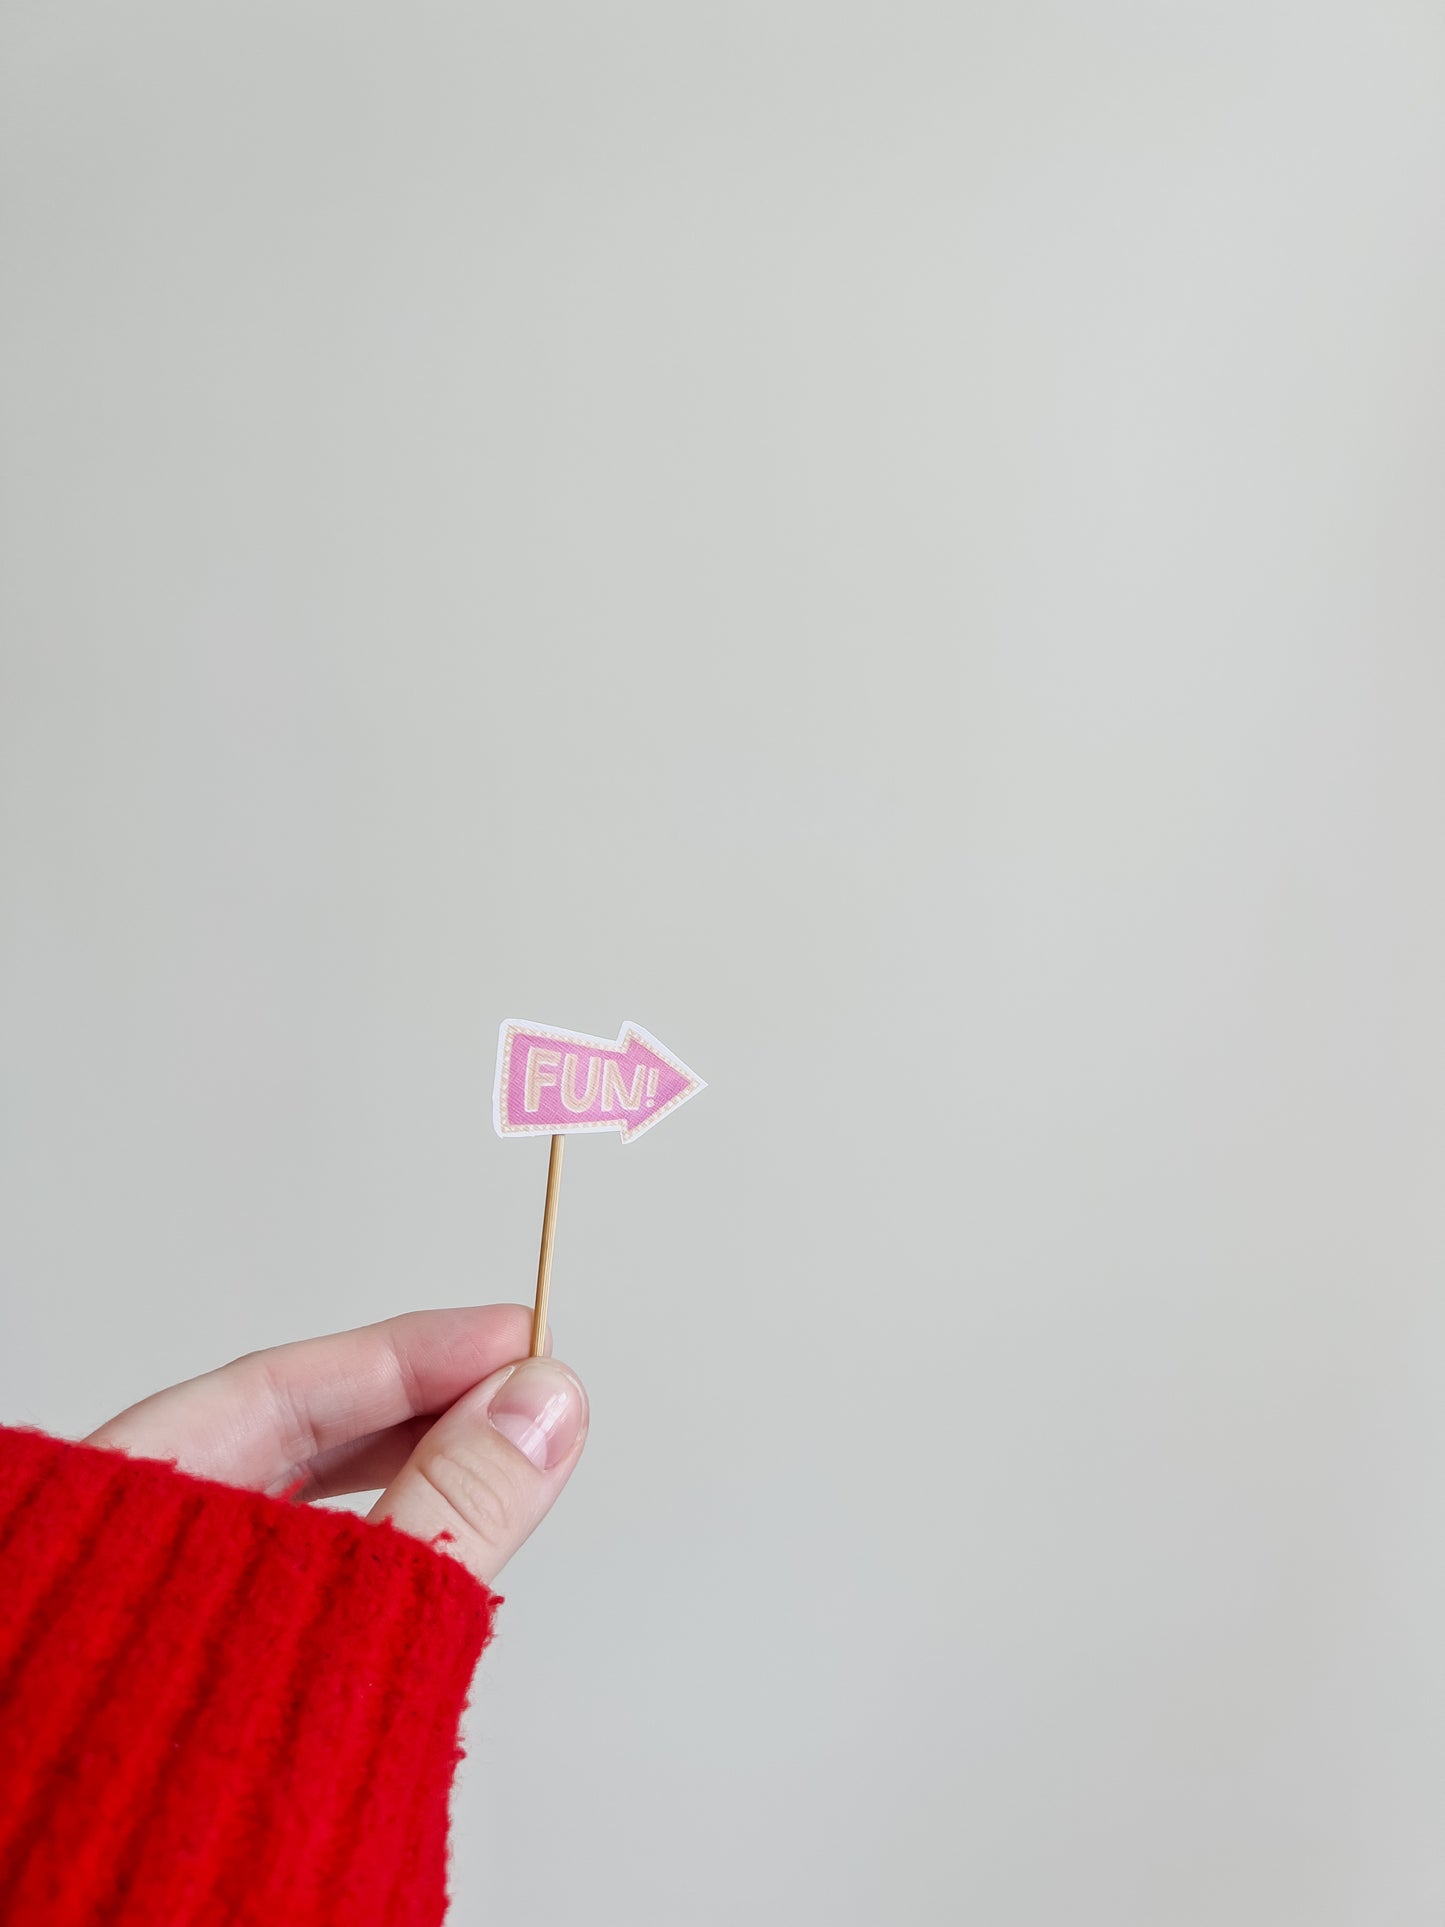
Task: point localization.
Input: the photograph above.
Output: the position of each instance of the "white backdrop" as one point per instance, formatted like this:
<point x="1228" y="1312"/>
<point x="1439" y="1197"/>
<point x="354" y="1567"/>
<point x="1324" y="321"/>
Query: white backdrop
<point x="898" y="546"/>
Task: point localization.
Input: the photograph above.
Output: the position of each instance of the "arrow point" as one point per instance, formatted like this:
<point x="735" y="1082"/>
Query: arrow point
<point x="670" y="1083"/>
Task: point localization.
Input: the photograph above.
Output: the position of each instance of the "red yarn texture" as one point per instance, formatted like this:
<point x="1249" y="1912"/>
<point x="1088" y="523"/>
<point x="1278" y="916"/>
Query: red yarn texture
<point x="216" y="1707"/>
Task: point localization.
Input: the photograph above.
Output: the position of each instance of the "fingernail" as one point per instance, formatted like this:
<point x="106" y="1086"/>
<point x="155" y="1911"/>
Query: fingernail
<point x="540" y="1409"/>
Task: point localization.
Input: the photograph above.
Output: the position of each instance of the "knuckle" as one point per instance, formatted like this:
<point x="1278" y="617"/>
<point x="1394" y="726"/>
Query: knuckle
<point x="297" y="1439"/>
<point x="480" y="1496"/>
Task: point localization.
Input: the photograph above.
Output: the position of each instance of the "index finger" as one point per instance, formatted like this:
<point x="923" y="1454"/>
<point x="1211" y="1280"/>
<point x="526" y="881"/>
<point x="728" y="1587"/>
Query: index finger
<point x="260" y="1420"/>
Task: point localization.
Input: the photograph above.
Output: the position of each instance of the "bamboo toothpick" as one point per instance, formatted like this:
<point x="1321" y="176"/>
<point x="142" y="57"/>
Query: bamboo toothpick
<point x="549" y="1236"/>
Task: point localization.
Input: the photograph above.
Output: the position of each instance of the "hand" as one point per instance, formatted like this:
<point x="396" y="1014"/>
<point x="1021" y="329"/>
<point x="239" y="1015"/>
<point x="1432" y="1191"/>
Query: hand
<point x="469" y="1436"/>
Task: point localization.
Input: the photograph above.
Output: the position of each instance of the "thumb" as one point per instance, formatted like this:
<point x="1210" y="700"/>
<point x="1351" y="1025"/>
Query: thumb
<point x="490" y="1467"/>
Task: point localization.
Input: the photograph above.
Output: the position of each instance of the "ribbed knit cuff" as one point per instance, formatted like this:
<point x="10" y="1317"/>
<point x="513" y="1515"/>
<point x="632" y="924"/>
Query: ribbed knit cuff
<point x="217" y="1706"/>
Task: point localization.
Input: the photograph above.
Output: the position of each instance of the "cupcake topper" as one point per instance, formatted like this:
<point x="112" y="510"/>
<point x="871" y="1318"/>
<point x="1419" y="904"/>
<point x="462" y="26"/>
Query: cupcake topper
<point x="552" y="1083"/>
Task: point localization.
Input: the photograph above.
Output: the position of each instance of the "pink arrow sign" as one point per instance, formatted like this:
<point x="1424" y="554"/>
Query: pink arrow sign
<point x="555" y="1081"/>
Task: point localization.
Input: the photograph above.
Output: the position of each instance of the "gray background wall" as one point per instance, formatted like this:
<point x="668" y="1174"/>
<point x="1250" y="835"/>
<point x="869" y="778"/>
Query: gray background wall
<point x="803" y="525"/>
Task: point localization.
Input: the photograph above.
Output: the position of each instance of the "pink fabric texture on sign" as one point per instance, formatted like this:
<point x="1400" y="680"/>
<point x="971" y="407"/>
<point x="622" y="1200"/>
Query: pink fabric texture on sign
<point x="573" y="1086"/>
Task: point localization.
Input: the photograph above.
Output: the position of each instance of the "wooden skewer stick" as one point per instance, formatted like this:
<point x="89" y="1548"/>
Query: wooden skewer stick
<point x="549" y="1238"/>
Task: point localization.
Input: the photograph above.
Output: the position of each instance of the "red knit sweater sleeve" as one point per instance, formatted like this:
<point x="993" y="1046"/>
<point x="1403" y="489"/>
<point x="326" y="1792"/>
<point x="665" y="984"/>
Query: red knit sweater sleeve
<point x="217" y="1707"/>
